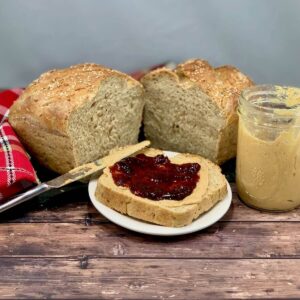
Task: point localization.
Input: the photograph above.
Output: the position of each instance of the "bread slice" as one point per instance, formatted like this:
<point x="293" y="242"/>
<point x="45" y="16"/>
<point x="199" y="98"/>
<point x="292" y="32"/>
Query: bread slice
<point x="210" y="189"/>
<point x="193" y="108"/>
<point x="72" y="116"/>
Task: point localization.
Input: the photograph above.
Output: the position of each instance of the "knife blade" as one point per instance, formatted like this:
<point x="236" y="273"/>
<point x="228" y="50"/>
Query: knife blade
<point x="75" y="174"/>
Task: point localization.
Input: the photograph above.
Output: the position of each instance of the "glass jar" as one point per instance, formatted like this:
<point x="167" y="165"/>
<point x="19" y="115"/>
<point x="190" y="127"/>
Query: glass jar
<point x="268" y="151"/>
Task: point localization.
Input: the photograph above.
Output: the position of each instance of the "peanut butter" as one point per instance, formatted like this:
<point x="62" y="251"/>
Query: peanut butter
<point x="268" y="157"/>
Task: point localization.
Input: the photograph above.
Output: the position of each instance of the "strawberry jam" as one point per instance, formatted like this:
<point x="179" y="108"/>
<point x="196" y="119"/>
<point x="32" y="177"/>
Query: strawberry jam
<point x="156" y="178"/>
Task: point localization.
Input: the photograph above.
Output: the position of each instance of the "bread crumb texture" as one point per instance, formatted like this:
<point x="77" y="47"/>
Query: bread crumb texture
<point x="193" y="108"/>
<point x="210" y="189"/>
<point x="71" y="116"/>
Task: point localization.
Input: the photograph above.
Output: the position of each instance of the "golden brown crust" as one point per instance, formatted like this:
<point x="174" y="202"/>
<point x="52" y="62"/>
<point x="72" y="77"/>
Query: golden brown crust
<point x="51" y="150"/>
<point x="223" y="84"/>
<point x="52" y="97"/>
<point x="227" y="144"/>
<point x="165" y="212"/>
<point x="49" y="115"/>
<point x="220" y="87"/>
<point x="147" y="211"/>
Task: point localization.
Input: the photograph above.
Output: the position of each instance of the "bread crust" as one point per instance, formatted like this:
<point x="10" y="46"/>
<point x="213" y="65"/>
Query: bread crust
<point x="51" y="98"/>
<point x="42" y="114"/>
<point x="221" y="85"/>
<point x="164" y="212"/>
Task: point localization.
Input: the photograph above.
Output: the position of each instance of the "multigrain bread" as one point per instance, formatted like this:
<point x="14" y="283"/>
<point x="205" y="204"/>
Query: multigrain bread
<point x="193" y="108"/>
<point x="71" y="116"/>
<point x="210" y="189"/>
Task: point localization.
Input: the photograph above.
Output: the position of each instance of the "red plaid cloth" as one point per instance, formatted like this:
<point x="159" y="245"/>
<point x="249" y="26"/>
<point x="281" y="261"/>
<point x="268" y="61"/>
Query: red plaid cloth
<point x="16" y="171"/>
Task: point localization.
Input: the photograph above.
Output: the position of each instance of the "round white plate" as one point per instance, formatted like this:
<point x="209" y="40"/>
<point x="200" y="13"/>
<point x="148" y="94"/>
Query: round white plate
<point x="205" y="220"/>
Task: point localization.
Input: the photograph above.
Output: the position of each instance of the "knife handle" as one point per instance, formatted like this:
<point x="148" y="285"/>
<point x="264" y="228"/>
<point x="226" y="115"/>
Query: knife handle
<point x="37" y="190"/>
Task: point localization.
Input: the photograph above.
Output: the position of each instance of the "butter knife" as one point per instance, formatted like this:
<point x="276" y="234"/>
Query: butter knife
<point x="75" y="174"/>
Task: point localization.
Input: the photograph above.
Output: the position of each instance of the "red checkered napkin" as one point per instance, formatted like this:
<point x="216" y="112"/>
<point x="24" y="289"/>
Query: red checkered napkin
<point x="16" y="171"/>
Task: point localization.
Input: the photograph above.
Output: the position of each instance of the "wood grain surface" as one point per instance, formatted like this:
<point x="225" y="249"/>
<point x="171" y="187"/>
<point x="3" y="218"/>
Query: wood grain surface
<point x="95" y="278"/>
<point x="59" y="246"/>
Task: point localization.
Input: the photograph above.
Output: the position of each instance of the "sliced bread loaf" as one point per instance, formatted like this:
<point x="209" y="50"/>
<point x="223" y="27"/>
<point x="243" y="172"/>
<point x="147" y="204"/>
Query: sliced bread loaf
<point x="193" y="108"/>
<point x="71" y="116"/>
<point x="210" y="189"/>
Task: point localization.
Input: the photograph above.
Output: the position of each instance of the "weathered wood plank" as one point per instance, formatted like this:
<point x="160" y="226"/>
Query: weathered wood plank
<point x="75" y="207"/>
<point x="148" y="279"/>
<point x="72" y="206"/>
<point x="223" y="240"/>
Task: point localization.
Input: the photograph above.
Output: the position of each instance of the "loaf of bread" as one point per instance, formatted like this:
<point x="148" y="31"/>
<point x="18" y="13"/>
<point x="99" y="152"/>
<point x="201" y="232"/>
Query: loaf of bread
<point x="210" y="189"/>
<point x="193" y="108"/>
<point x="71" y="116"/>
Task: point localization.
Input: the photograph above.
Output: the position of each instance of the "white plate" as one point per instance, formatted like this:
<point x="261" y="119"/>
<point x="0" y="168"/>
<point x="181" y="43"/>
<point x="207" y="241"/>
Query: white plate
<point x="205" y="220"/>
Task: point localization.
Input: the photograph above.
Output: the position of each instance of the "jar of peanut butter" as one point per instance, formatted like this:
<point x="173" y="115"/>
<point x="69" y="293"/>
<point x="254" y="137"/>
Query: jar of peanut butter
<point x="268" y="152"/>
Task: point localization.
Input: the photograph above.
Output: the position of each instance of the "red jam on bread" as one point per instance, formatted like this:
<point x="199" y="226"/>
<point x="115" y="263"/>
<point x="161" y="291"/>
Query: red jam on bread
<point x="156" y="178"/>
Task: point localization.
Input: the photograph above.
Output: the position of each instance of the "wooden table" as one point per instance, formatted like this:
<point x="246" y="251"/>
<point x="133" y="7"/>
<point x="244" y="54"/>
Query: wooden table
<point x="63" y="248"/>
